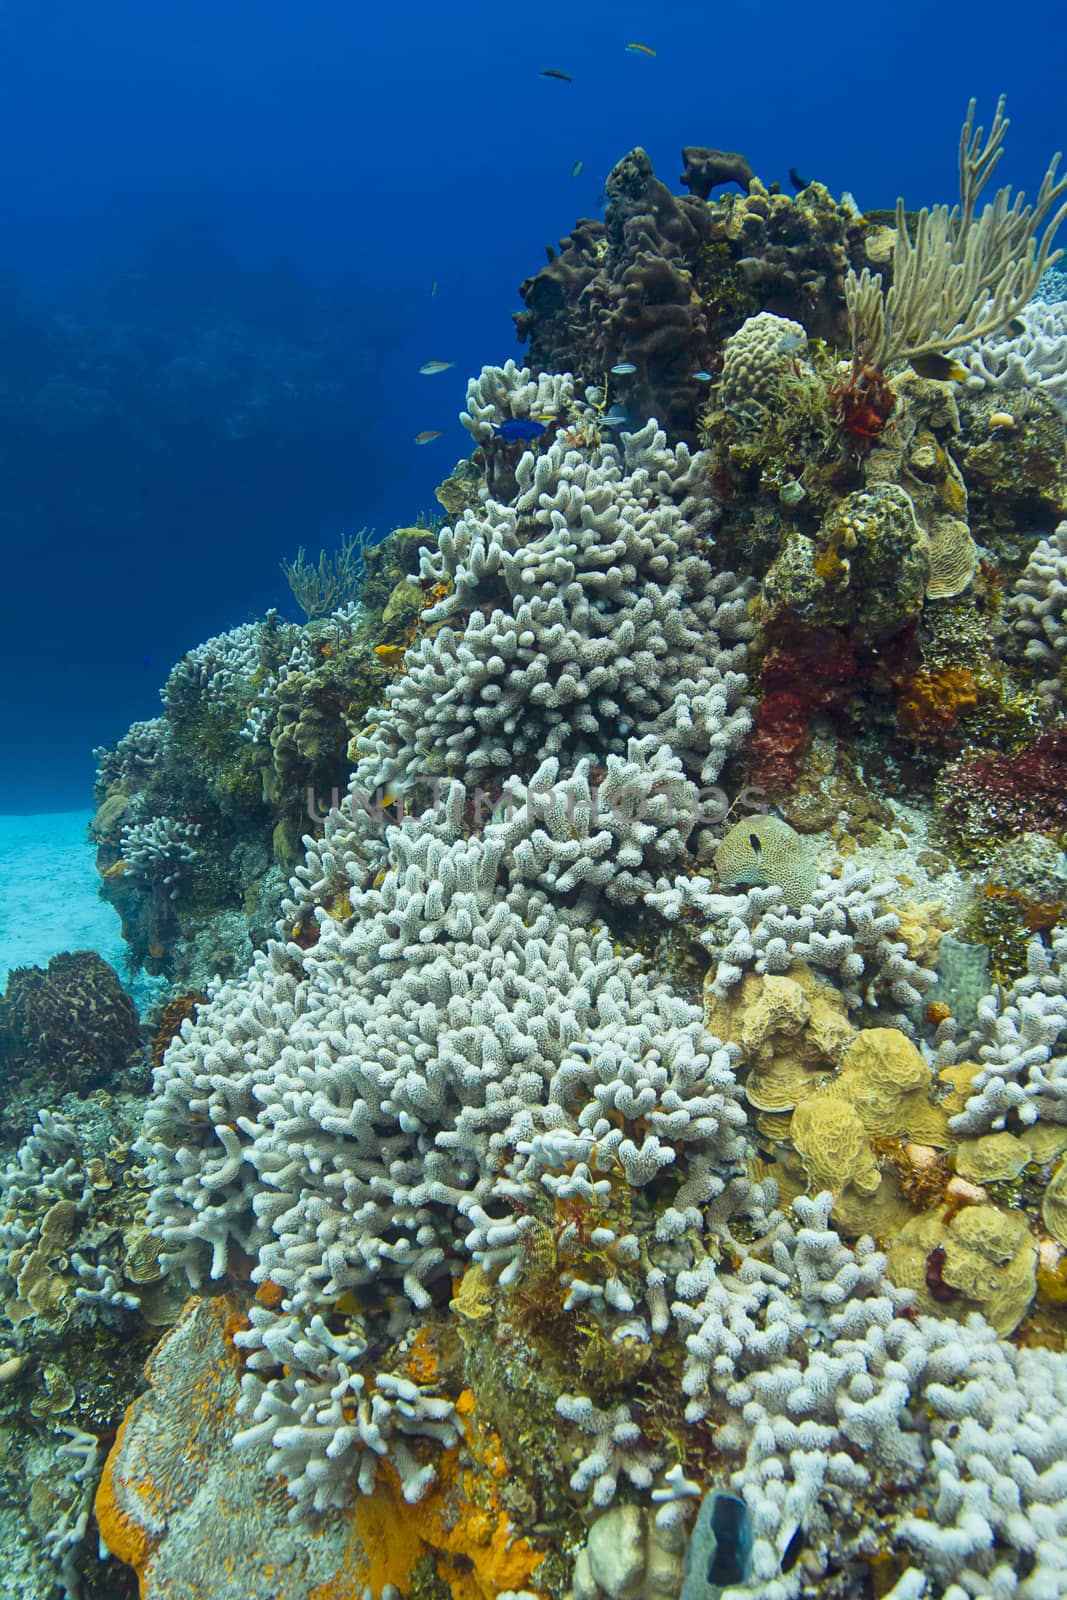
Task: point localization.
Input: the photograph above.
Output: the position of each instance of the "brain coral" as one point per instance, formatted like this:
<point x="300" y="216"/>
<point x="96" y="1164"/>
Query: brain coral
<point x="756" y="357"/>
<point x="766" y="851"/>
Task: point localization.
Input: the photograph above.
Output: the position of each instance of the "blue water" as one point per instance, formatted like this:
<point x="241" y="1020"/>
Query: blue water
<point x="221" y="224"/>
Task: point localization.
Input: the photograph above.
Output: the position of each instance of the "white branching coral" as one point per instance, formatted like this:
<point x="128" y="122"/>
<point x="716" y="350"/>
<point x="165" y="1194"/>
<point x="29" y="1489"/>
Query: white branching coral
<point x="498" y="394"/>
<point x="830" y="1388"/>
<point x="1034" y="359"/>
<point x="610" y="835"/>
<point x="575" y="618"/>
<point x="1037" y="609"/>
<point x="618" y="1449"/>
<point x="63" y="1541"/>
<point x="327" y="1423"/>
<point x="161" y="849"/>
<point x="214" y="671"/>
<point x="1022" y="1076"/>
<point x="341" y="1112"/>
<point x="846" y="929"/>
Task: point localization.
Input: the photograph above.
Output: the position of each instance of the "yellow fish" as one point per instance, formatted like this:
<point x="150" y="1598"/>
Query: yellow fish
<point x="389" y="653"/>
<point x="641" y="49"/>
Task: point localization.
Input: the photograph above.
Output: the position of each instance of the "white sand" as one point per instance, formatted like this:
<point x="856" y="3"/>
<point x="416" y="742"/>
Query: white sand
<point x="48" y="898"/>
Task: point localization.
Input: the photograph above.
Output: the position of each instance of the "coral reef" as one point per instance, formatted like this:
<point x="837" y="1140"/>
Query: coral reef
<point x="621" y="1156"/>
<point x="201" y="812"/>
<point x="664" y="280"/>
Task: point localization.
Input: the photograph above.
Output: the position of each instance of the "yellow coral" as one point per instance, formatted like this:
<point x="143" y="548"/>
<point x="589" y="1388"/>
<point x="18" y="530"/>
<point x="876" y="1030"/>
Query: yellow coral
<point x="889" y="1083"/>
<point x="985" y="1259"/>
<point x="832" y="1144"/>
<point x="1054" y="1206"/>
<point x="793" y="1031"/>
<point x="994" y="1158"/>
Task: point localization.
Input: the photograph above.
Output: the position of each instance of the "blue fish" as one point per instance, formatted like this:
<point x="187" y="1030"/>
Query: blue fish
<point x="519" y="428"/>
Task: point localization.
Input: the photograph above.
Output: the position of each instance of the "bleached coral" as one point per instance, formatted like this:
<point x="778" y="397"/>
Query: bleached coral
<point x="498" y="394"/>
<point x="608" y="836"/>
<point x="575" y="618"/>
<point x="295" y="663"/>
<point x="64" y="1539"/>
<point x="1037" y="608"/>
<point x="134" y="757"/>
<point x="1022" y="1075"/>
<point x="55" y="1256"/>
<point x="845" y="929"/>
<point x="831" y="1388"/>
<point x="618" y="1449"/>
<point x="1034" y="359"/>
<point x="213" y="671"/>
<point x="339" y="1114"/>
<point x="326" y="1422"/>
<point x="161" y="849"/>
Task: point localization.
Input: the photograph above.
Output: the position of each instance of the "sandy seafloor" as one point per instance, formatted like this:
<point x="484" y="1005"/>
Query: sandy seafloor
<point x="48" y="892"/>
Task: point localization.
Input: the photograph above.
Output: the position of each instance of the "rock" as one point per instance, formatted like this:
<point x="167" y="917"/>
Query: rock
<point x="616" y="1550"/>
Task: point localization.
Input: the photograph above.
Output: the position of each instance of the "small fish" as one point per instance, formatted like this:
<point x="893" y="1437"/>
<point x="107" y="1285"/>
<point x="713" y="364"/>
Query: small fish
<point x="615" y="418"/>
<point x="796" y="180"/>
<point x="623" y="369"/>
<point x="1016" y="327"/>
<point x="553" y="72"/>
<point x="576" y="170"/>
<point x="388" y="653"/>
<point x="757" y="848"/>
<point x="518" y="428"/>
<point x="433" y="288"/>
<point x="429" y="367"/>
<point x="942" y="368"/>
<point x="702" y="377"/>
<point x="641" y="49"/>
<point x="427" y="434"/>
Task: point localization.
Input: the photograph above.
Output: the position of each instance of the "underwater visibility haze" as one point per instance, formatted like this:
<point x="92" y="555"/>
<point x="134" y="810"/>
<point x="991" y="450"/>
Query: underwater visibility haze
<point x="533" y="889"/>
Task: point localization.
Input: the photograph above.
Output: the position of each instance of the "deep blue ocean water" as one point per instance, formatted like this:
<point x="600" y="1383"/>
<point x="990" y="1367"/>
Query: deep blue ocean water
<point x="222" y="220"/>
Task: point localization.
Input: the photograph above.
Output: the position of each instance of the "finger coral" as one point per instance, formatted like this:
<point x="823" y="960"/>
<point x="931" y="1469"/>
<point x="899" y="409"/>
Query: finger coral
<point x="574" y="618"/>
